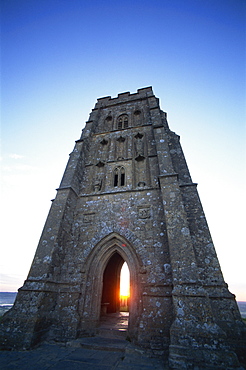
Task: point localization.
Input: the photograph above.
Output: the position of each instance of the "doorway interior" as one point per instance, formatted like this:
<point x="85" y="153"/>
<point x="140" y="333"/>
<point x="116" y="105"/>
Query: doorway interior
<point x="115" y="300"/>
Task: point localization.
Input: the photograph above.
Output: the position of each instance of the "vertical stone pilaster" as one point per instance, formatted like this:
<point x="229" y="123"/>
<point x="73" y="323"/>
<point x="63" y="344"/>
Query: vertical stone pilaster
<point x="194" y="329"/>
<point x="184" y="267"/>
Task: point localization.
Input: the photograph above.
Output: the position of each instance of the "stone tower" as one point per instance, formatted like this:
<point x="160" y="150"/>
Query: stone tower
<point x="127" y="195"/>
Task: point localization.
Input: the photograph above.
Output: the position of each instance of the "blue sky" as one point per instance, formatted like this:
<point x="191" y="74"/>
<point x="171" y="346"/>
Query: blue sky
<point x="58" y="57"/>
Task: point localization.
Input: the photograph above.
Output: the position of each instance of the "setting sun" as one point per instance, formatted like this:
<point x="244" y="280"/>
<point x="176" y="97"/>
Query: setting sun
<point x="125" y="281"/>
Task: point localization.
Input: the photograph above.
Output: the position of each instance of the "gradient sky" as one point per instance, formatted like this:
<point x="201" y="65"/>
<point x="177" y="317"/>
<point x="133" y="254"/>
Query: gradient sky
<point x="59" y="56"/>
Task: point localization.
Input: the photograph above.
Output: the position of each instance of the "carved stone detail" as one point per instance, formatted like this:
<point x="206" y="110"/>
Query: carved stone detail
<point x="88" y="218"/>
<point x="97" y="183"/>
<point x="144" y="212"/>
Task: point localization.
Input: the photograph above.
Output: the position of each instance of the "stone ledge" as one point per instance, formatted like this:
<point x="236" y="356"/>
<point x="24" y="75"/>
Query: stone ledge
<point x="168" y="175"/>
<point x="66" y="188"/>
<point x="117" y="192"/>
<point x="104" y="133"/>
<point x="188" y="184"/>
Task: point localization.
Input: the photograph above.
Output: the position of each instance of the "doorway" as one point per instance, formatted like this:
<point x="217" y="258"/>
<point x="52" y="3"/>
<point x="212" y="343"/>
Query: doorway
<point x="100" y="298"/>
<point x="114" y="306"/>
<point x="124" y="288"/>
<point x="111" y="301"/>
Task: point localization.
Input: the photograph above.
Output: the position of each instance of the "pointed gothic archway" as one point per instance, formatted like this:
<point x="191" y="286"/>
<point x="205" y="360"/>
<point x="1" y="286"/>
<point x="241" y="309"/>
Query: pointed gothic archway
<point x="103" y="267"/>
<point x="110" y="301"/>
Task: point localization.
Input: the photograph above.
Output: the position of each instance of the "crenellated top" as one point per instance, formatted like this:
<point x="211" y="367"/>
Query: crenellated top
<point x="123" y="97"/>
<point x="123" y="112"/>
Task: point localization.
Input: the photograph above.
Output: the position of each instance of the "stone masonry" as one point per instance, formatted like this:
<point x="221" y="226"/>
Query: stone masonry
<point x="127" y="196"/>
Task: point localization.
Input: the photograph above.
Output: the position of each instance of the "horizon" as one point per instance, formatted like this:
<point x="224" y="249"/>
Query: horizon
<point x="58" y="57"/>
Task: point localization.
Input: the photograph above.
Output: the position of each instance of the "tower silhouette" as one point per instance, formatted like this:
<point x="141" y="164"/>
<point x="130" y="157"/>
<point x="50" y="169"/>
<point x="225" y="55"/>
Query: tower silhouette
<point x="127" y="196"/>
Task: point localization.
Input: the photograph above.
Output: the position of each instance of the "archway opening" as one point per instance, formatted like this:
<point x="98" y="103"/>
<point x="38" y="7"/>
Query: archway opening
<point x="116" y="285"/>
<point x="124" y="288"/>
<point x="111" y="284"/>
<point x="115" y="297"/>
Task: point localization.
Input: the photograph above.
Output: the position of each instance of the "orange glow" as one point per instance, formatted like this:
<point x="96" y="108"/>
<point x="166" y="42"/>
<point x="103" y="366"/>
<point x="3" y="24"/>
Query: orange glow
<point x="125" y="281"/>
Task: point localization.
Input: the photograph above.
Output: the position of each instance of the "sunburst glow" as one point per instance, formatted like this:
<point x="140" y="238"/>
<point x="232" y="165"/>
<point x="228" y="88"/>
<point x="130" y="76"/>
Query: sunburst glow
<point x="124" y="281"/>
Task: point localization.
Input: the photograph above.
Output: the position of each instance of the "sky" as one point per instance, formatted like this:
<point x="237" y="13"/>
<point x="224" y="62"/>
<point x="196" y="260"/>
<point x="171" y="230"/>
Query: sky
<point x="59" y="56"/>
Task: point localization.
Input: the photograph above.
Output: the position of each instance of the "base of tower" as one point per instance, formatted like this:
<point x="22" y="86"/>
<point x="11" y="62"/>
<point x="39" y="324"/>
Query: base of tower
<point x="197" y="358"/>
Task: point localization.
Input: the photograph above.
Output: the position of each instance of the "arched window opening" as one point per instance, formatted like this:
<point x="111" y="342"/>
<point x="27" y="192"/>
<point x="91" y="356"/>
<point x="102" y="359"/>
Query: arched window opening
<point x="125" y="122"/>
<point x="116" y="176"/>
<point x="122" y="122"/>
<point x="119" y="176"/>
<point x="124" y="287"/>
<point x="122" y="179"/>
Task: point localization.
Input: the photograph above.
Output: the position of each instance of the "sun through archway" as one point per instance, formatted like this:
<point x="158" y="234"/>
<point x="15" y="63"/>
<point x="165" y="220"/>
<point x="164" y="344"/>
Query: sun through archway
<point x="124" y="287"/>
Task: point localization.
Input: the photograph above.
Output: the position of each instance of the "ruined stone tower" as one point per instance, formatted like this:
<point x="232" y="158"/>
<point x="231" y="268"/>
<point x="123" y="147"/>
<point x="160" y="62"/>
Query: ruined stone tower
<point x="127" y="195"/>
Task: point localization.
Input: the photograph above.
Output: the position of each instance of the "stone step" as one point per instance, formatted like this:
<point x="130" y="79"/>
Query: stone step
<point x="104" y="343"/>
<point x="112" y="333"/>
